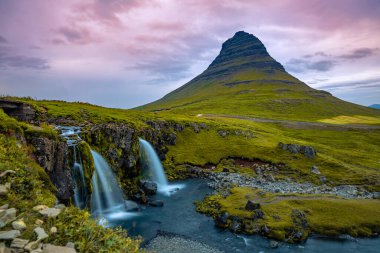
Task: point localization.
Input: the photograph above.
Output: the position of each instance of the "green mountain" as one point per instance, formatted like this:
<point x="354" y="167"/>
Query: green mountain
<point x="245" y="80"/>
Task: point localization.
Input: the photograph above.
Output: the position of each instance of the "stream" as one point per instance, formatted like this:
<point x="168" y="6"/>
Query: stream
<point x="178" y="216"/>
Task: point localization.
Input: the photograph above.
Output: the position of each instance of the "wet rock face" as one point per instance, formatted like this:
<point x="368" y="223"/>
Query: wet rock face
<point x="52" y="156"/>
<point x="118" y="142"/>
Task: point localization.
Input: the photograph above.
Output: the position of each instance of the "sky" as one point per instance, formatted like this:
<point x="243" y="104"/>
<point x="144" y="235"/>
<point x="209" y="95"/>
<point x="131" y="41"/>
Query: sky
<point x="125" y="53"/>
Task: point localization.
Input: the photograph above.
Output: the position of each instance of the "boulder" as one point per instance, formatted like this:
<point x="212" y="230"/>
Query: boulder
<point x="149" y="187"/>
<point x="235" y="224"/>
<point x="7" y="216"/>
<point x="222" y="220"/>
<point x="258" y="214"/>
<point x="273" y="244"/>
<point x="49" y="248"/>
<point x="32" y="246"/>
<point x="60" y="206"/>
<point x="4" y="249"/>
<point x="9" y="235"/>
<point x="315" y="170"/>
<point x="131" y="206"/>
<point x="4" y="189"/>
<point x="19" y="224"/>
<point x="251" y="206"/>
<point x="308" y="151"/>
<point x="50" y="212"/>
<point x="156" y="203"/>
<point x="5" y="206"/>
<point x="40" y="207"/>
<point x="53" y="230"/>
<point x="41" y="234"/>
<point x="19" y="243"/>
<point x="39" y="222"/>
<point x="70" y="245"/>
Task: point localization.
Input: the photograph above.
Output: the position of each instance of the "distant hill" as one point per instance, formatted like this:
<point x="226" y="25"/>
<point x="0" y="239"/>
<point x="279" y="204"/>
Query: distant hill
<point x="375" y="106"/>
<point x="245" y="80"/>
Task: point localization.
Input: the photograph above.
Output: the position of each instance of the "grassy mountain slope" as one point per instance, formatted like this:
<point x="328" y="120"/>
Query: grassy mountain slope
<point x="245" y="80"/>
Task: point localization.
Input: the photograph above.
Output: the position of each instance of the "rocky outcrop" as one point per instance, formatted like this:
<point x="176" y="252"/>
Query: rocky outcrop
<point x="308" y="151"/>
<point x="19" y="110"/>
<point x="52" y="155"/>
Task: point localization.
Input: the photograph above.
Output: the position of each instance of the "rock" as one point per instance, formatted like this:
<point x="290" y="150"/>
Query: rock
<point x="60" y="206"/>
<point x="156" y="203"/>
<point x="53" y="230"/>
<point x="19" y="243"/>
<point x="131" y="206"/>
<point x="250" y="206"/>
<point x="222" y="133"/>
<point x="4" y="189"/>
<point x="298" y="149"/>
<point x="299" y="218"/>
<point x="264" y="230"/>
<point x="315" y="170"/>
<point x="19" y="224"/>
<point x="323" y="179"/>
<point x="3" y="207"/>
<point x="39" y="222"/>
<point x="4" y="249"/>
<point x="41" y="234"/>
<point x="149" y="187"/>
<point x="49" y="248"/>
<point x="32" y="246"/>
<point x="40" y="207"/>
<point x="226" y="170"/>
<point x="70" y="245"/>
<point x="235" y="224"/>
<point x="273" y="244"/>
<point x="9" y="235"/>
<point x="258" y="215"/>
<point x="7" y="216"/>
<point x="50" y="212"/>
<point x="222" y="220"/>
<point x="5" y="173"/>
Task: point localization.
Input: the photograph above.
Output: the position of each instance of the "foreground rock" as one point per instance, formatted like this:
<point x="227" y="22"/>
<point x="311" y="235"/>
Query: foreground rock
<point x="49" y="248"/>
<point x="9" y="235"/>
<point x="7" y="216"/>
<point x="171" y="244"/>
<point x="149" y="187"/>
<point x="19" y="243"/>
<point x="50" y="212"/>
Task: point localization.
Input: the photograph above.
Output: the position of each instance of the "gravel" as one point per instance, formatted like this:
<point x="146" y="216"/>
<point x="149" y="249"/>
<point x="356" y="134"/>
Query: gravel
<point x="171" y="244"/>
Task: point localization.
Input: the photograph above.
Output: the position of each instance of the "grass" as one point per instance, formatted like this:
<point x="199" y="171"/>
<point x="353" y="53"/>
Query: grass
<point x="356" y="119"/>
<point x="326" y="215"/>
<point x="31" y="186"/>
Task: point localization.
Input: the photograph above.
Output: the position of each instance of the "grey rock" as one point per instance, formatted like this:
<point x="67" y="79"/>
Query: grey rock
<point x="50" y="212"/>
<point x="41" y="234"/>
<point x="156" y="203"/>
<point x="4" y="189"/>
<point x="19" y="243"/>
<point x="273" y="244"/>
<point x="222" y="220"/>
<point x="9" y="235"/>
<point x="19" y="224"/>
<point x="131" y="206"/>
<point x="4" y="249"/>
<point x="235" y="224"/>
<point x="149" y="187"/>
<point x="70" y="245"/>
<point x="33" y="246"/>
<point x="3" y="207"/>
<point x="258" y="215"/>
<point x="7" y="216"/>
<point x="250" y="206"/>
<point x="222" y="133"/>
<point x="60" y="206"/>
<point x="49" y="248"/>
<point x="315" y="170"/>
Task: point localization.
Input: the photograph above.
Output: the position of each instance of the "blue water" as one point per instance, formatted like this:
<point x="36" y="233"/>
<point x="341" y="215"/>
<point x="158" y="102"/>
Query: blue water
<point x="178" y="216"/>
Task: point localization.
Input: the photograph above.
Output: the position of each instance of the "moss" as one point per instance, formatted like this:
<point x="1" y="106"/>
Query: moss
<point x="326" y="215"/>
<point x="87" y="162"/>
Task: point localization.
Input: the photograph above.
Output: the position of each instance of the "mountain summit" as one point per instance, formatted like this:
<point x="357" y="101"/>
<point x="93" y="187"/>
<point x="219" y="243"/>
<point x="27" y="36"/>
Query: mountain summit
<point x="245" y="80"/>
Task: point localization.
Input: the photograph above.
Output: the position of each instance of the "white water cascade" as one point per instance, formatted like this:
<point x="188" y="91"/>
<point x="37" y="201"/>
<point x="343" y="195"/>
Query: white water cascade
<point x="80" y="188"/>
<point x="107" y="198"/>
<point x="152" y="163"/>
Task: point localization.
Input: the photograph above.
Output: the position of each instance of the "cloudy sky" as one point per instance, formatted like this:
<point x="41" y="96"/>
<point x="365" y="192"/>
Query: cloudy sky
<point x="125" y="53"/>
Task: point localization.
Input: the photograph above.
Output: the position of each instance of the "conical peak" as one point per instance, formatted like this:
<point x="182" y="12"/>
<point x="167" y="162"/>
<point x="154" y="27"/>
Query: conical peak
<point x="244" y="50"/>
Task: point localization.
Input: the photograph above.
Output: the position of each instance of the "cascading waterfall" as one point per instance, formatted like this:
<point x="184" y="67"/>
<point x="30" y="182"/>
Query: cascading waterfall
<point x="107" y="198"/>
<point x="152" y="163"/>
<point x="80" y="189"/>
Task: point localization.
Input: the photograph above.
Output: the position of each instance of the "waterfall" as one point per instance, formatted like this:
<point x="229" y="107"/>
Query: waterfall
<point x="152" y="163"/>
<point x="80" y="188"/>
<point x="107" y="197"/>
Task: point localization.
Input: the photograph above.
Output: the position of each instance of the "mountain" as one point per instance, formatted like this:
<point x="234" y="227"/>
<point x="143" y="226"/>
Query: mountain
<point x="245" y="80"/>
<point x="375" y="106"/>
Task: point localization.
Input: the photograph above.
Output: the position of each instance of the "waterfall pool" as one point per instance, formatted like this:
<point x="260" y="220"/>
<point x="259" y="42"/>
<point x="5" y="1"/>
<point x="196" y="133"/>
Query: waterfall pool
<point x="178" y="216"/>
